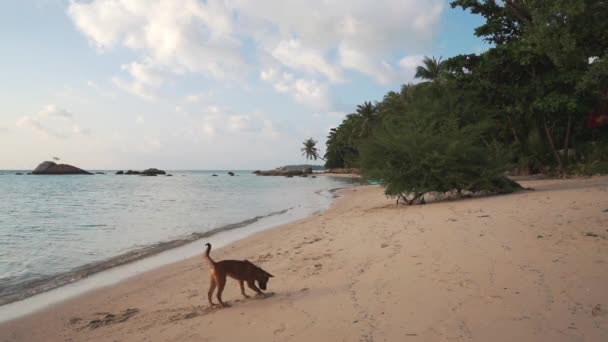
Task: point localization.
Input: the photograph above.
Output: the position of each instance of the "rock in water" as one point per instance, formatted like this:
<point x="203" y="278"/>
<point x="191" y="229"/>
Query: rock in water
<point x="119" y="172"/>
<point x="231" y="173"/>
<point x="51" y="168"/>
<point x="152" y="172"/>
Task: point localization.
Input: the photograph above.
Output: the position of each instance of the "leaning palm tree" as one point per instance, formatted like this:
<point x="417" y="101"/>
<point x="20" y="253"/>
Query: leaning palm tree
<point x="431" y="70"/>
<point x="310" y="150"/>
<point x="368" y="113"/>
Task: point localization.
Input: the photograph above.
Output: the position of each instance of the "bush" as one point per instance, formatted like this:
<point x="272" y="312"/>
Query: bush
<point x="436" y="147"/>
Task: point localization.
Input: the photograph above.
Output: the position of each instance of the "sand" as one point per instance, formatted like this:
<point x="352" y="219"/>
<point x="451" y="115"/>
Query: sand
<point x="530" y="266"/>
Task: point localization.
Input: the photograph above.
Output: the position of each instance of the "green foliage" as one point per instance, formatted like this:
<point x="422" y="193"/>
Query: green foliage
<point x="518" y="106"/>
<point x="310" y="149"/>
<point x="431" y="69"/>
<point x="438" y="145"/>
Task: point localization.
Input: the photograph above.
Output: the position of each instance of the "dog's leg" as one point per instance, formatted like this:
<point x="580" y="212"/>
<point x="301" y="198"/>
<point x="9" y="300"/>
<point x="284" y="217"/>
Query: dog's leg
<point x="212" y="286"/>
<point x="243" y="289"/>
<point x="220" y="288"/>
<point x="252" y="286"/>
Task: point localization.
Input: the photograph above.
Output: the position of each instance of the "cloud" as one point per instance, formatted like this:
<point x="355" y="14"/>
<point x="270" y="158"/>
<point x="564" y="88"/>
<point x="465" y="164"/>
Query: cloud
<point x="145" y="80"/>
<point x="358" y="34"/>
<point x="52" y="121"/>
<point x="291" y="53"/>
<point x="409" y="64"/>
<point x="306" y="91"/>
<point x="215" y="121"/>
<point x="224" y="40"/>
<point x="176" y="36"/>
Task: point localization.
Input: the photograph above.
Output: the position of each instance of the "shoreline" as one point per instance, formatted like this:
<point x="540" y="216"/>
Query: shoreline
<point x="48" y="291"/>
<point x="524" y="266"/>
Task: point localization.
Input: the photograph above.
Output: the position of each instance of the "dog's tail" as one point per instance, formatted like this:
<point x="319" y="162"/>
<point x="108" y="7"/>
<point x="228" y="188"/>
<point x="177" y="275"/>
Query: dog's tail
<point x="207" y="257"/>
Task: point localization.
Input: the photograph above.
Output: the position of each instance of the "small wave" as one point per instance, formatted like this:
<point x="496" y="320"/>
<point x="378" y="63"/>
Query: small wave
<point x="15" y="291"/>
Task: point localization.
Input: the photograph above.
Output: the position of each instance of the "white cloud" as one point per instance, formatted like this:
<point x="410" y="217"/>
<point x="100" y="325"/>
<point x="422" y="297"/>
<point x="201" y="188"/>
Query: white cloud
<point x="177" y="36"/>
<point x="409" y="64"/>
<point x="52" y="121"/>
<point x="291" y="53"/>
<point x="145" y="80"/>
<point x="309" y="92"/>
<point x="223" y="39"/>
<point x="214" y="121"/>
<point x="381" y="71"/>
<point x="366" y="33"/>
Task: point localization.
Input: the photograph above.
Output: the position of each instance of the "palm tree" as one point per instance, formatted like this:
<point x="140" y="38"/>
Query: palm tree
<point x="367" y="111"/>
<point x="431" y="70"/>
<point x="310" y="150"/>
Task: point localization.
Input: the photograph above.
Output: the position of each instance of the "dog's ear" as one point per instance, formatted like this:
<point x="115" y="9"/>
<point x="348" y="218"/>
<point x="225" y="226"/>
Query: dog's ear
<point x="268" y="274"/>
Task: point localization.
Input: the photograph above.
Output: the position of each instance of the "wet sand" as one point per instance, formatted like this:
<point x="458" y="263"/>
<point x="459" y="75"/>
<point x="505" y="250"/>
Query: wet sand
<point x="530" y="266"/>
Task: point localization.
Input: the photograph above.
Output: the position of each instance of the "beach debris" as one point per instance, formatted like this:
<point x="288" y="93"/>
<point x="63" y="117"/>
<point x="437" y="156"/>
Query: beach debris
<point x="384" y="245"/>
<point x="596" y="311"/>
<point x="109" y="318"/>
<point x="605" y="210"/>
<point x="484" y="216"/>
<point x="591" y="234"/>
<point x="539" y="236"/>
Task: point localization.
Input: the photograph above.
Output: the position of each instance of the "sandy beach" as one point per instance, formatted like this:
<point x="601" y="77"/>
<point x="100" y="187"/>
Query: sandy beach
<point x="529" y="266"/>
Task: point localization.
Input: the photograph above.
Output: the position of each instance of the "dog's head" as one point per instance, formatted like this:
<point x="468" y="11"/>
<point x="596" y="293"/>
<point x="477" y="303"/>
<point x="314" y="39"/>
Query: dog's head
<point x="263" y="278"/>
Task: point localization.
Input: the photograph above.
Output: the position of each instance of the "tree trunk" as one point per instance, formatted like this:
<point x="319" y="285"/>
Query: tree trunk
<point x="550" y="140"/>
<point x="567" y="140"/>
<point x="513" y="130"/>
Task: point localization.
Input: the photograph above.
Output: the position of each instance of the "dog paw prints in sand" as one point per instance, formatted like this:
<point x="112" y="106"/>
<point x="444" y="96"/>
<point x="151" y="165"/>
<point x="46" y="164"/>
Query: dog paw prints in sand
<point x="102" y="319"/>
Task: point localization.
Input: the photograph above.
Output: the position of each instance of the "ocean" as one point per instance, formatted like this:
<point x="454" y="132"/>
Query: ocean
<point x="55" y="230"/>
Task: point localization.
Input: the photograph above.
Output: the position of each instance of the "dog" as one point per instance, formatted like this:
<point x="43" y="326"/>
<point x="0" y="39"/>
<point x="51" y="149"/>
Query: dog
<point x="243" y="271"/>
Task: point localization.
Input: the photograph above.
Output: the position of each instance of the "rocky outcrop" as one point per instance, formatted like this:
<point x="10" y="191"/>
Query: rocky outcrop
<point x="120" y="172"/>
<point x="52" y="168"/>
<point x="131" y="172"/>
<point x="152" y="172"/>
<point x="343" y="171"/>
<point x="282" y="172"/>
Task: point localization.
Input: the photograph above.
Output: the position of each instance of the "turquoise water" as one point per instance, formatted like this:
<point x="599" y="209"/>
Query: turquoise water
<point x="57" y="229"/>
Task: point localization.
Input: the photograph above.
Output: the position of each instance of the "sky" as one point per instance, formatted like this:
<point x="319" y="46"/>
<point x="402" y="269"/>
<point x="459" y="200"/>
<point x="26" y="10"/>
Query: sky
<point x="193" y="84"/>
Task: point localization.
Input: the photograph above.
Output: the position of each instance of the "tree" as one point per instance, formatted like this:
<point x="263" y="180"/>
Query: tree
<point x="536" y="74"/>
<point x="310" y="150"/>
<point x="431" y="70"/>
<point x="442" y="143"/>
<point x="368" y="116"/>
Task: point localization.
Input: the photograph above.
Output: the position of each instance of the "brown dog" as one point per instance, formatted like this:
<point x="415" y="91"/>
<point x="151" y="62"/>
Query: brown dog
<point x="243" y="271"/>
